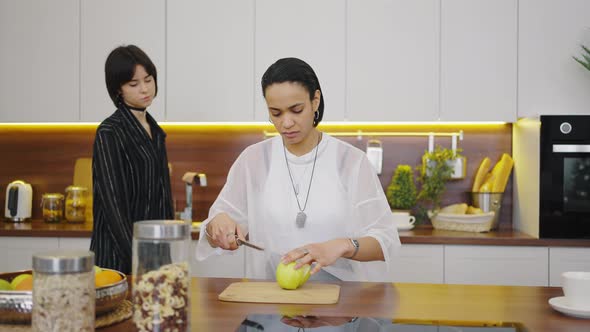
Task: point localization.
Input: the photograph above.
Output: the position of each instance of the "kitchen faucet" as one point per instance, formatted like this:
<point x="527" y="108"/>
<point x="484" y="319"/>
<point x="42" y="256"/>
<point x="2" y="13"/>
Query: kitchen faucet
<point x="189" y="178"/>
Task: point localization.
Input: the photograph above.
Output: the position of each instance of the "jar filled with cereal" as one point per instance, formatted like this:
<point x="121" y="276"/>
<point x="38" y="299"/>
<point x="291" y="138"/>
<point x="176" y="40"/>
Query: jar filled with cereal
<point x="161" y="276"/>
<point x="76" y="201"/>
<point x="53" y="207"/>
<point x="63" y="291"/>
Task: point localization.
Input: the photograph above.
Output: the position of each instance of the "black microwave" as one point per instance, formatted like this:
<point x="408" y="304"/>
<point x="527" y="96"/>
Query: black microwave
<point x="564" y="209"/>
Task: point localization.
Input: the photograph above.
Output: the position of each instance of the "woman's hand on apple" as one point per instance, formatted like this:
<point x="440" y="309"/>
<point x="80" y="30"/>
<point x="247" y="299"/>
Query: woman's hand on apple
<point x="322" y="254"/>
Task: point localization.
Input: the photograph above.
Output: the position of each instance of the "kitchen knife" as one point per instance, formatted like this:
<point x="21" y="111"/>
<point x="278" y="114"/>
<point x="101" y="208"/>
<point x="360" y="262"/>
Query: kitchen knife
<point x="248" y="244"/>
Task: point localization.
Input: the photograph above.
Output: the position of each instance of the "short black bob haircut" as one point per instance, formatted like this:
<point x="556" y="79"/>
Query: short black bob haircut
<point x="296" y="71"/>
<point x="120" y="68"/>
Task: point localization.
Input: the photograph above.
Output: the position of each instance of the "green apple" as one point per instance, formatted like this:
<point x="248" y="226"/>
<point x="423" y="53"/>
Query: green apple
<point x="5" y="285"/>
<point x="97" y="269"/>
<point x="18" y="279"/>
<point x="289" y="278"/>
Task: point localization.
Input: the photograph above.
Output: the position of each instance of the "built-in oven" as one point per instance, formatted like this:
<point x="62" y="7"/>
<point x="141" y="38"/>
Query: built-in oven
<point x="565" y="177"/>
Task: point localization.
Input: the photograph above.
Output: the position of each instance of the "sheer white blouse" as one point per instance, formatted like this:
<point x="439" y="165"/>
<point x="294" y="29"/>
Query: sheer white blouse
<point x="345" y="200"/>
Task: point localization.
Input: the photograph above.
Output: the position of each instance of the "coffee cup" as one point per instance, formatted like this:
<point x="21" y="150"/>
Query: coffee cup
<point x="576" y="288"/>
<point x="403" y="219"/>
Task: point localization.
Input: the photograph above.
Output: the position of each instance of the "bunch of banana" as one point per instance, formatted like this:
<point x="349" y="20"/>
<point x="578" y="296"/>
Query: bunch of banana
<point x="496" y="180"/>
<point x="461" y="208"/>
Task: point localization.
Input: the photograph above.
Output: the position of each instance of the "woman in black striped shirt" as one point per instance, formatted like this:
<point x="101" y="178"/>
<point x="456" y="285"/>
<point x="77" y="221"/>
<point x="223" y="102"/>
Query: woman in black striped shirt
<point x="129" y="165"/>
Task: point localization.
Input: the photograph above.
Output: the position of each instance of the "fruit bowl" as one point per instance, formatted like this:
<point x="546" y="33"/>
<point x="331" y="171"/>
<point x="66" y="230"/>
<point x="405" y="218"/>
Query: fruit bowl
<point x="16" y="306"/>
<point x="462" y="222"/>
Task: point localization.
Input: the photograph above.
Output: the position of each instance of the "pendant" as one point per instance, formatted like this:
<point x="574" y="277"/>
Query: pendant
<point x="300" y="220"/>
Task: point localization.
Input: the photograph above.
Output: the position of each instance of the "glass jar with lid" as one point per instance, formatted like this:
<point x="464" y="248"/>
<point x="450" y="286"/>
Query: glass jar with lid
<point x="53" y="207"/>
<point x="76" y="201"/>
<point x="161" y="275"/>
<point x="63" y="291"/>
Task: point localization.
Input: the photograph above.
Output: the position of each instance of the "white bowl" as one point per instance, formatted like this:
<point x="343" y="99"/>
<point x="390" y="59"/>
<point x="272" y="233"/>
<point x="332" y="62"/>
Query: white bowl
<point x="462" y="222"/>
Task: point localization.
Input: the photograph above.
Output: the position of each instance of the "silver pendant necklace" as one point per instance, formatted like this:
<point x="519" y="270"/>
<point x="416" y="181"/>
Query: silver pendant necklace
<point x="301" y="216"/>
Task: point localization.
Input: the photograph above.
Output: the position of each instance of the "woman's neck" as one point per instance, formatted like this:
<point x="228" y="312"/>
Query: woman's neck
<point x="140" y="116"/>
<point x="307" y="144"/>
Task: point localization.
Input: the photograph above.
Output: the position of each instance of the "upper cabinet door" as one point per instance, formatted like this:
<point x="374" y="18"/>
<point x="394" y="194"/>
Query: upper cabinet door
<point x="311" y="30"/>
<point x="210" y="49"/>
<point x="392" y="60"/>
<point x="106" y="25"/>
<point x="550" y="81"/>
<point x="478" y="60"/>
<point x="39" y="61"/>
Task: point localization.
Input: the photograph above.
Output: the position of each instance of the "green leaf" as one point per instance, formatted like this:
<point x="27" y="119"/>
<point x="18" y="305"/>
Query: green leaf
<point x="401" y="192"/>
<point x="586" y="61"/>
<point x="435" y="171"/>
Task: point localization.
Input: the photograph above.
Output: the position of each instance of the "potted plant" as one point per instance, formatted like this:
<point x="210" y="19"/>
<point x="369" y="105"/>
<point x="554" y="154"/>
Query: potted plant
<point x="435" y="171"/>
<point x="401" y="192"/>
<point x="586" y="58"/>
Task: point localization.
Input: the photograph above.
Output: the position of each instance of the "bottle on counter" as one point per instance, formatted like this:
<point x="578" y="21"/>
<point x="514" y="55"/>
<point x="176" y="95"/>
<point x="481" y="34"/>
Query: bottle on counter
<point x="63" y="291"/>
<point x="53" y="207"/>
<point x="161" y="276"/>
<point x="76" y="202"/>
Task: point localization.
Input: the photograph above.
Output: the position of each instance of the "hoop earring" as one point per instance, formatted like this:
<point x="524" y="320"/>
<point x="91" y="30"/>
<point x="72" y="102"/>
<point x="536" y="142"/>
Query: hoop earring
<point x="316" y="116"/>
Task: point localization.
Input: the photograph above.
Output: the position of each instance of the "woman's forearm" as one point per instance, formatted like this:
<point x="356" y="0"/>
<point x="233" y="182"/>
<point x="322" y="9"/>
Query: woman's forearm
<point x="369" y="249"/>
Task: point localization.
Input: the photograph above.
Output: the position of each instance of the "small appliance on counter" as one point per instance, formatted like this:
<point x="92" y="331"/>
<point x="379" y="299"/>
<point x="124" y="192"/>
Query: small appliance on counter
<point x="19" y="201"/>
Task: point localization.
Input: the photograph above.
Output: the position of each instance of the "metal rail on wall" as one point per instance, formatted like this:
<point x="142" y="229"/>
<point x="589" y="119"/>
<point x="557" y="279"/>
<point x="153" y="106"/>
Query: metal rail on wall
<point x="359" y="134"/>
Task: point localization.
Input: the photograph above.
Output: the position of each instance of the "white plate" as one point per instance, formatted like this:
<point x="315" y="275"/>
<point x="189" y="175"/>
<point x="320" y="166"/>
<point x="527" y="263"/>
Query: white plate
<point x="559" y="303"/>
<point x="404" y="227"/>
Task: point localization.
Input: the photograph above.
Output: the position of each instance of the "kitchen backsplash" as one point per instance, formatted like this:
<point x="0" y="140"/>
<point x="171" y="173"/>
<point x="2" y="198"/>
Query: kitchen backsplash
<point x="44" y="156"/>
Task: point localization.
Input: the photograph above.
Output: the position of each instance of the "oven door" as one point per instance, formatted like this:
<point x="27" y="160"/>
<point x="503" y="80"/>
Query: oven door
<point x="565" y="191"/>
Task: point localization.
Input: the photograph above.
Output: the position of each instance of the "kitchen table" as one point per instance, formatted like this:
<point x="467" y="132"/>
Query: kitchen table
<point x="401" y="302"/>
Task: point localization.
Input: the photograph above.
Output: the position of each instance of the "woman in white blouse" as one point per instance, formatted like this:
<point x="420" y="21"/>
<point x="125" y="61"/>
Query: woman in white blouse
<point x="303" y="195"/>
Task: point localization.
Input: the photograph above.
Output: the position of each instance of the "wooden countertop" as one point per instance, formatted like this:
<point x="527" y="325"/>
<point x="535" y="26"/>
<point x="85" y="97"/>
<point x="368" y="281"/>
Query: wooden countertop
<point x="39" y="228"/>
<point x="419" y="235"/>
<point x="401" y="302"/>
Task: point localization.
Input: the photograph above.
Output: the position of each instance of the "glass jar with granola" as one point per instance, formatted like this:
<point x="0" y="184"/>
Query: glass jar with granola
<point x="63" y="291"/>
<point x="161" y="276"/>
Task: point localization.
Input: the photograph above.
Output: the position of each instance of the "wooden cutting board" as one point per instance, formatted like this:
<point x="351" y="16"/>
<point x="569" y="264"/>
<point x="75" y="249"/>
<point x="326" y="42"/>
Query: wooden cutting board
<point x="270" y="292"/>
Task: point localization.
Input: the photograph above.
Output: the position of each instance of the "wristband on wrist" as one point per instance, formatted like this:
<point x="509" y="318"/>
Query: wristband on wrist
<point x="356" y="246"/>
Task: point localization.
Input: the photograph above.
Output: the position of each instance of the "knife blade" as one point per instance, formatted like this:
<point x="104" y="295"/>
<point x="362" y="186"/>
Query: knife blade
<point x="248" y="244"/>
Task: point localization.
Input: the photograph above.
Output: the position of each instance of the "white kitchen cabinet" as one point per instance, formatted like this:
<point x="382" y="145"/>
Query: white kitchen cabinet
<point x="567" y="259"/>
<point x="549" y="80"/>
<point x="74" y="243"/>
<point x="39" y="61"/>
<point x="420" y="263"/>
<point x="392" y="60"/>
<point x="313" y="31"/>
<point x="230" y="265"/>
<point x="496" y="265"/>
<point x="17" y="252"/>
<point x="210" y="60"/>
<point x="479" y="60"/>
<point x="111" y="23"/>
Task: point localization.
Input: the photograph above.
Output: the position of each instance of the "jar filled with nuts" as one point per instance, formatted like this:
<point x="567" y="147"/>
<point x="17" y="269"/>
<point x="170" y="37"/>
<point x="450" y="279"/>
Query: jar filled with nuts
<point x="63" y="291"/>
<point x="53" y="207"/>
<point x="76" y="199"/>
<point x="161" y="276"/>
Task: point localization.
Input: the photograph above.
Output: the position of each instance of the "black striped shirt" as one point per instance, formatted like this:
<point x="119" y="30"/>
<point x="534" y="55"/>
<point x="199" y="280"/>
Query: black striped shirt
<point x="131" y="183"/>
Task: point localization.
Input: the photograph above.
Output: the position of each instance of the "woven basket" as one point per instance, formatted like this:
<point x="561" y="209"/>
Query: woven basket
<point x="476" y="223"/>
